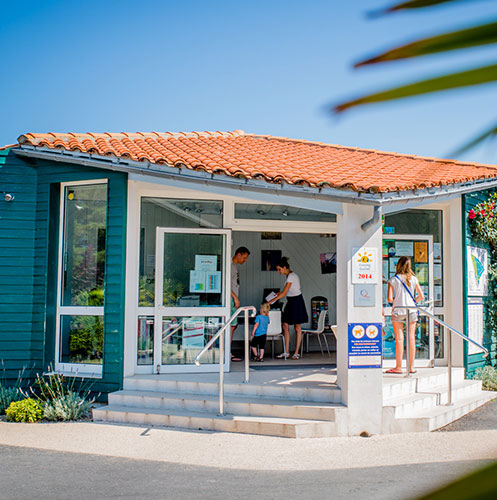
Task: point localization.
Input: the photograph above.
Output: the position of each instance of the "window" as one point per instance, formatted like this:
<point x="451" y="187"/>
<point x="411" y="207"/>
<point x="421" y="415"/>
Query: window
<point x="169" y="212"/>
<point x="81" y="277"/>
<point x="280" y="212"/>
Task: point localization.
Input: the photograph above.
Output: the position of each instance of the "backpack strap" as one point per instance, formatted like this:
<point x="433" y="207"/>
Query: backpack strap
<point x="408" y="291"/>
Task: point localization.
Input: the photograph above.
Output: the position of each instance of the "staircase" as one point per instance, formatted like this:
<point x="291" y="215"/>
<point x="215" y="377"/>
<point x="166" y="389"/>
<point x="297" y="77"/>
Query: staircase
<point x="255" y="408"/>
<point x="288" y="403"/>
<point x="418" y="403"/>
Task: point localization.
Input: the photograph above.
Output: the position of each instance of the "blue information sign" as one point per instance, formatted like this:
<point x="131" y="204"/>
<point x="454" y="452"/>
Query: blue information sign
<point x="365" y="343"/>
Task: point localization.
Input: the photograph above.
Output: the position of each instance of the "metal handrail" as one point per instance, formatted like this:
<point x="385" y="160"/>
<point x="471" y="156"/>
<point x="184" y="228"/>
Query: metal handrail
<point x="449" y="342"/>
<point x="219" y="335"/>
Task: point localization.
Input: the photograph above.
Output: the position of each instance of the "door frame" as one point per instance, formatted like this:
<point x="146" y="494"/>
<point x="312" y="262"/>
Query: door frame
<point x="160" y="310"/>
<point x="430" y="361"/>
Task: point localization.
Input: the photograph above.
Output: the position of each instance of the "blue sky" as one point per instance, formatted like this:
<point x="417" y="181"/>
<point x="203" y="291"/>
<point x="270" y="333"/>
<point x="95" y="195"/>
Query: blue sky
<point x="269" y="67"/>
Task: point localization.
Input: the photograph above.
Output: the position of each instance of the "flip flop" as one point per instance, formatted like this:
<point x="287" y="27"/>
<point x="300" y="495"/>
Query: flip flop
<point x="393" y="370"/>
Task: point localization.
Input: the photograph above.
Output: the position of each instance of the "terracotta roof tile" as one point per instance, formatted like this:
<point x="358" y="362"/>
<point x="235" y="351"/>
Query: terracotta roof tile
<point x="274" y="159"/>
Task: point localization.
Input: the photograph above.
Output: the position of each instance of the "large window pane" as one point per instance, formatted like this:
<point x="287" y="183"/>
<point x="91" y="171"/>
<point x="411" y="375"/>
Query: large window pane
<point x="83" y="271"/>
<point x="184" y="337"/>
<point x="81" y="339"/>
<point x="280" y="212"/>
<point x="193" y="270"/>
<point x="169" y="212"/>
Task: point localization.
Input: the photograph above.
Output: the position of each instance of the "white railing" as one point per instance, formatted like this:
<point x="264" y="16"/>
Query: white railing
<point x="449" y="344"/>
<point x="220" y="335"/>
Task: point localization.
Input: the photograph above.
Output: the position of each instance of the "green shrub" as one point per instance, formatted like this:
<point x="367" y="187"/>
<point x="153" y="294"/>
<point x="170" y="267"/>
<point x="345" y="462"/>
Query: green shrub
<point x="67" y="407"/>
<point x="8" y="395"/>
<point x="49" y="387"/>
<point x="27" y="410"/>
<point x="488" y="376"/>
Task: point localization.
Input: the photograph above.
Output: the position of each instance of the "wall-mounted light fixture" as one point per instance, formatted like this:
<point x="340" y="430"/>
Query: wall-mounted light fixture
<point x="8" y="197"/>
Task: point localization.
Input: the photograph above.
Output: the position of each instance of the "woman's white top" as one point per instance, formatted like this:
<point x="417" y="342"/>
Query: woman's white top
<point x="400" y="295"/>
<point x="295" y="285"/>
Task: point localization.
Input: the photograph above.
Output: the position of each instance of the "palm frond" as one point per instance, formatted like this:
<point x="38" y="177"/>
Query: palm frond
<point x="476" y="76"/>
<point x="410" y="4"/>
<point x="470" y="37"/>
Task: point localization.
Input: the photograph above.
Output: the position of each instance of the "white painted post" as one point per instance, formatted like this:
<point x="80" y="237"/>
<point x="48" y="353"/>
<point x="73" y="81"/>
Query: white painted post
<point x="361" y="388"/>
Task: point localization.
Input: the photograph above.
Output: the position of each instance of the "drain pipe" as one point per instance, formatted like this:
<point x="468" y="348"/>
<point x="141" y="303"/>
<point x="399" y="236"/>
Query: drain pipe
<point x="373" y="220"/>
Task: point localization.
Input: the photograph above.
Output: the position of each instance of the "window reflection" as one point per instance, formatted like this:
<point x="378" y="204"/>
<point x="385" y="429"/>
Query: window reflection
<point x="169" y="212"/>
<point x="85" y="215"/>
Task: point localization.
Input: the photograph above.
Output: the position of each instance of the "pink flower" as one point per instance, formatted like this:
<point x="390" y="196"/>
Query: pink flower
<point x="471" y="214"/>
<point x="482" y="212"/>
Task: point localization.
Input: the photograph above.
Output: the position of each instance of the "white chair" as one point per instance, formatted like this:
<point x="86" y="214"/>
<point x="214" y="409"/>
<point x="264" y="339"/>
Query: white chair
<point x="318" y="332"/>
<point x="274" y="331"/>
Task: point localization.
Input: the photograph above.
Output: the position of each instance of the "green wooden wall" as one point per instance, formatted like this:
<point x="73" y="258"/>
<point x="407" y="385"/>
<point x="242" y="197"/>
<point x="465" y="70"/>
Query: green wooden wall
<point x="28" y="266"/>
<point x="474" y="361"/>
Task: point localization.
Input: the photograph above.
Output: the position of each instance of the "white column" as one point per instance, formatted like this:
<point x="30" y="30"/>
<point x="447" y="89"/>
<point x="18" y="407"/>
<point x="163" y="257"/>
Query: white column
<point x="361" y="388"/>
<point x="453" y="276"/>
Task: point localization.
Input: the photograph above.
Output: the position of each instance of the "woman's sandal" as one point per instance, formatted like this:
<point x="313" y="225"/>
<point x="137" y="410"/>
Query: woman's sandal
<point x="283" y="355"/>
<point x="394" y="370"/>
<point x="296" y="356"/>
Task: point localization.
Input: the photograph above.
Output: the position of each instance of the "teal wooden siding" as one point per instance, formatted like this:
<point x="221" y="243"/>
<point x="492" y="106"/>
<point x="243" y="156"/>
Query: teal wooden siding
<point x="474" y="361"/>
<point x="28" y="273"/>
<point x="17" y="267"/>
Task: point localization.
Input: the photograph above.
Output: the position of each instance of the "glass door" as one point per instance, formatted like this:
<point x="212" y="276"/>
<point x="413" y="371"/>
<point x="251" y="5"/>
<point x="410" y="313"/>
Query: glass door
<point x="191" y="297"/>
<point x="419" y="248"/>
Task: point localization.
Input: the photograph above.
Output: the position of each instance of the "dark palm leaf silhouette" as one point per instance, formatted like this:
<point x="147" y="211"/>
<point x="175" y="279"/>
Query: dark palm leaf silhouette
<point x="470" y="37"/>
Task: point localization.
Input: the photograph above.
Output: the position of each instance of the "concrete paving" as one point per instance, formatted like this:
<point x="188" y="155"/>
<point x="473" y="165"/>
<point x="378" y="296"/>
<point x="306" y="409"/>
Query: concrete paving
<point x="29" y="473"/>
<point x="114" y="461"/>
<point x="236" y="451"/>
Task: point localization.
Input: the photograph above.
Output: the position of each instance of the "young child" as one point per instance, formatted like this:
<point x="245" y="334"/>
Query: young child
<point x="258" y="338"/>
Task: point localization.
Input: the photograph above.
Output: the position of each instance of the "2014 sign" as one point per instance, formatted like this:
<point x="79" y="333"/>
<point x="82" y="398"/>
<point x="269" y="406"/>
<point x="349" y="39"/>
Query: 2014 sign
<point x="365" y="265"/>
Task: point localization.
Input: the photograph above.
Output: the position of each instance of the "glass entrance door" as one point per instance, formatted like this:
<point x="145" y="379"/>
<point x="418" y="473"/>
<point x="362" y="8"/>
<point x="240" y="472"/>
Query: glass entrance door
<point x="191" y="297"/>
<point x="419" y="248"/>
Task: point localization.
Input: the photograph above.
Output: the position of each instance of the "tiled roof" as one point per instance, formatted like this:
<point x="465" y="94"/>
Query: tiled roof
<point x="274" y="159"/>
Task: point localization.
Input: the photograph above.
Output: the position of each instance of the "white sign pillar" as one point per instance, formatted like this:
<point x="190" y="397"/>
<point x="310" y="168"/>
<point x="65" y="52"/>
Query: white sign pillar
<point x="361" y="388"/>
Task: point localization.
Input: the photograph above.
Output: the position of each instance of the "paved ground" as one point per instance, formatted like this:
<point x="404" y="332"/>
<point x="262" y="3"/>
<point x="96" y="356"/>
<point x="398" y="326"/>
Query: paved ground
<point x="113" y="461"/>
<point x="482" y="418"/>
<point x="27" y="473"/>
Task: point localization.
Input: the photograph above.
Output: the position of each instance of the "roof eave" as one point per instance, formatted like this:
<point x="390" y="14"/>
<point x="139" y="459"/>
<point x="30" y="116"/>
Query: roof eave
<point x="389" y="201"/>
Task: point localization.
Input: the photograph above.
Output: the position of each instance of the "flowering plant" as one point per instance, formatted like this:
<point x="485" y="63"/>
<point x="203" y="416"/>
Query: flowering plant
<point x="483" y="221"/>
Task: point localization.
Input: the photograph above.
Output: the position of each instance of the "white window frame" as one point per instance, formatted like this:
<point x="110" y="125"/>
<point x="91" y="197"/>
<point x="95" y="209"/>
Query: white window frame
<point x="162" y="311"/>
<point x="72" y="369"/>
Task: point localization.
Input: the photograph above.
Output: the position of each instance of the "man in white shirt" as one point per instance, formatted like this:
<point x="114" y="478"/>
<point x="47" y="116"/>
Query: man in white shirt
<point x="240" y="257"/>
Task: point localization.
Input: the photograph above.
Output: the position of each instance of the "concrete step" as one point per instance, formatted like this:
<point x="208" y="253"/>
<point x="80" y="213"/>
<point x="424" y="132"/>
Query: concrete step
<point x="429" y="419"/>
<point x="407" y="406"/>
<point x="273" y="391"/>
<point x="399" y="385"/>
<point x="235" y="405"/>
<point x="268" y="426"/>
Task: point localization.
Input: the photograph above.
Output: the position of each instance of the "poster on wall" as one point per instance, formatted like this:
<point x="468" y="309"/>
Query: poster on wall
<point x="420" y="251"/>
<point x="404" y="248"/>
<point x="475" y="324"/>
<point x="477" y="266"/>
<point x="365" y="345"/>
<point x="193" y="333"/>
<point x="270" y="259"/>
<point x="328" y="262"/>
<point x="365" y="265"/>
